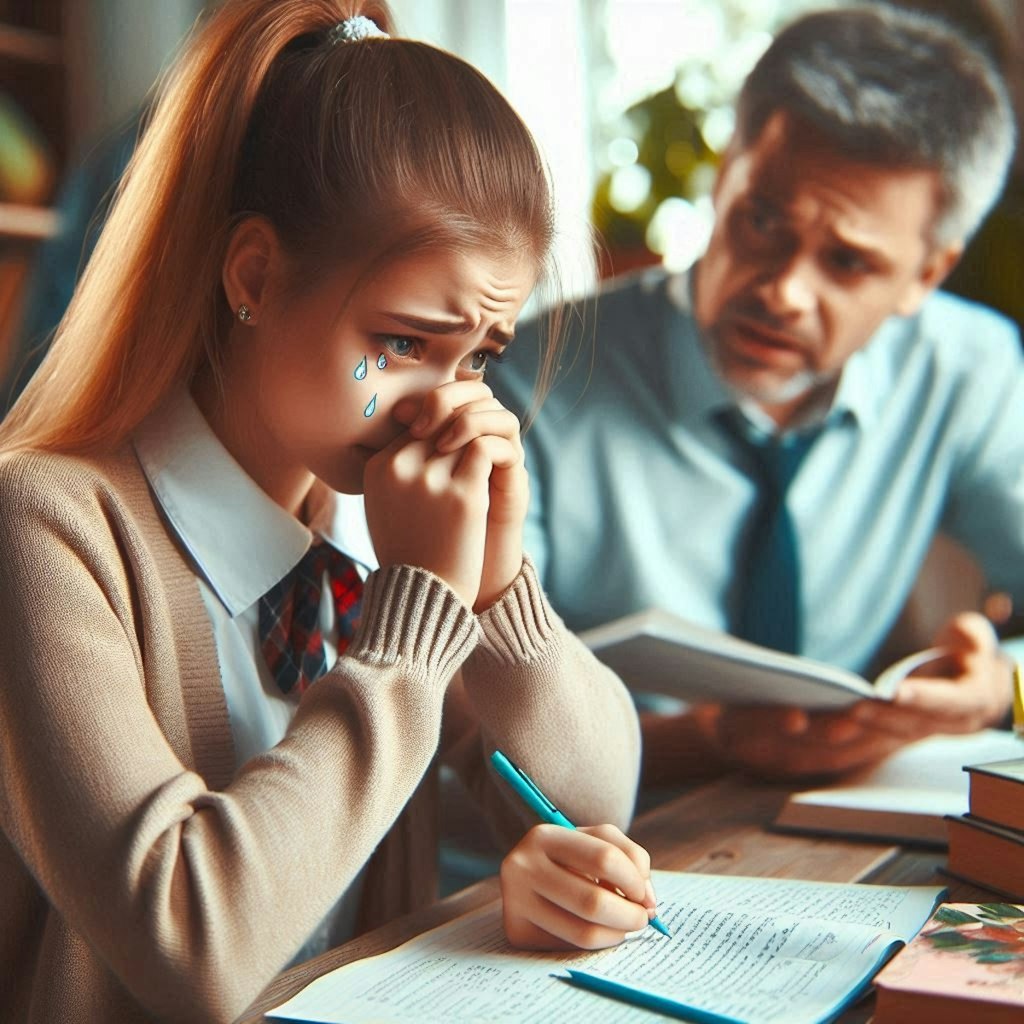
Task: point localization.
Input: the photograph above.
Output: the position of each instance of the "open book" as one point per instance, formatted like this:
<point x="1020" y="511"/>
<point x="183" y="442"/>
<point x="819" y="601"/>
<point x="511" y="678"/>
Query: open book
<point x="906" y="797"/>
<point x="657" y="652"/>
<point x="758" y="950"/>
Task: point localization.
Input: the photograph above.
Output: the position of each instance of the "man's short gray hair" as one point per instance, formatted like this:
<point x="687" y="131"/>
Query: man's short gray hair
<point x="895" y="88"/>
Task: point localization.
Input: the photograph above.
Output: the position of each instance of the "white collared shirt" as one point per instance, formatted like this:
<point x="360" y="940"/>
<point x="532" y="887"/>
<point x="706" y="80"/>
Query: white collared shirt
<point x="241" y="543"/>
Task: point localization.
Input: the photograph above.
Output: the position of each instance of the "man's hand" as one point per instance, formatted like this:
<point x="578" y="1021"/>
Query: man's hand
<point x="975" y="692"/>
<point x="789" y="743"/>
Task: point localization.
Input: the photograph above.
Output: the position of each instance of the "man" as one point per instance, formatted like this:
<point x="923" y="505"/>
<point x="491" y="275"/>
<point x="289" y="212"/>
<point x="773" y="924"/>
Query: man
<point x="869" y="145"/>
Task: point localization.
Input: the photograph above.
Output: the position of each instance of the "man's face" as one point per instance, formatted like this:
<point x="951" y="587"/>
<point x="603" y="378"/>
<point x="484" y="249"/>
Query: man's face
<point x="810" y="253"/>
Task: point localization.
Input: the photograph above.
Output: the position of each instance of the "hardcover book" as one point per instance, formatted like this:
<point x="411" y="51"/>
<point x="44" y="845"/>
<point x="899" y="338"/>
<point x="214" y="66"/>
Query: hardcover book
<point x="967" y="964"/>
<point x="997" y="792"/>
<point x="987" y="854"/>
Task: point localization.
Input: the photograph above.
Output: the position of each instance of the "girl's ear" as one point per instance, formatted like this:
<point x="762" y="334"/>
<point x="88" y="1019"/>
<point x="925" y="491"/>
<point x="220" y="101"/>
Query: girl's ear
<point x="252" y="259"/>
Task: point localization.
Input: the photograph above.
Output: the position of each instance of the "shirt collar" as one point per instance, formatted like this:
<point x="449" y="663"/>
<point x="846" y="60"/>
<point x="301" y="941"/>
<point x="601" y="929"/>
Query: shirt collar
<point x="705" y="395"/>
<point x="240" y="540"/>
<point x="870" y="373"/>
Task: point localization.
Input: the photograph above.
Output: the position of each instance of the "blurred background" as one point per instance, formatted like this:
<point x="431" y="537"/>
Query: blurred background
<point x="631" y="101"/>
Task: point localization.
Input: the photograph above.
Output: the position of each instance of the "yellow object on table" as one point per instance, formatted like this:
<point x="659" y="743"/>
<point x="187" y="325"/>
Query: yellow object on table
<point x="1018" y="700"/>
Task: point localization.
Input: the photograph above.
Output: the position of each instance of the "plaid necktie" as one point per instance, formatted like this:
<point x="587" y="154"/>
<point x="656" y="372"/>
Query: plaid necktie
<point x="290" y="634"/>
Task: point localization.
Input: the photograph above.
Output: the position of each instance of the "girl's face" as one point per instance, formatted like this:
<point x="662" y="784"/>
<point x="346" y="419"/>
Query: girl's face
<point x="321" y="376"/>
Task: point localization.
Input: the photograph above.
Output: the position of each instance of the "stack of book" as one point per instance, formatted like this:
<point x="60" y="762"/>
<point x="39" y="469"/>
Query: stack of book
<point x="986" y="845"/>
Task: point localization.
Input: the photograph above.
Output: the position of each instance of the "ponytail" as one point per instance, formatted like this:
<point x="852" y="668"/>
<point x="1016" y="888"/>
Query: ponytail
<point x="149" y="302"/>
<point x="351" y="150"/>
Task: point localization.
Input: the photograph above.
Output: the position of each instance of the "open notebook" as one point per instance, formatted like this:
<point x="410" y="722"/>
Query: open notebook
<point x="758" y="950"/>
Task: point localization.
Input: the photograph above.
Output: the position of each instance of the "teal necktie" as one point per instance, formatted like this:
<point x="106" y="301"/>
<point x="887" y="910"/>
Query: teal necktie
<point x="768" y="612"/>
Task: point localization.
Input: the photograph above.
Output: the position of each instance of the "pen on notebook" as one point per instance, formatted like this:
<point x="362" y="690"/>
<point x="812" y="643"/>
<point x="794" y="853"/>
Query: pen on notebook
<point x="638" y="997"/>
<point x="529" y="792"/>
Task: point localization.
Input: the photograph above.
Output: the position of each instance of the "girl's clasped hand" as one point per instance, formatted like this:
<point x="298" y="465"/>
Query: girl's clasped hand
<point x="450" y="493"/>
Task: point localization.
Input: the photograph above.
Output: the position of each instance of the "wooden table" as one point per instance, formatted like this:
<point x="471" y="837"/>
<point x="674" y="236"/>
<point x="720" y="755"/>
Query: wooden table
<point x="719" y="828"/>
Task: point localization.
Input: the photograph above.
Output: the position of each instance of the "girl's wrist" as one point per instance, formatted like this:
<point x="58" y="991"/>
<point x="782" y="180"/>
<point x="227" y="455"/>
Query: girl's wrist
<point x="497" y="577"/>
<point x="520" y="625"/>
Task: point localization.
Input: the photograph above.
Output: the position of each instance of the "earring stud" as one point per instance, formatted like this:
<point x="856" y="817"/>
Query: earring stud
<point x="244" y="313"/>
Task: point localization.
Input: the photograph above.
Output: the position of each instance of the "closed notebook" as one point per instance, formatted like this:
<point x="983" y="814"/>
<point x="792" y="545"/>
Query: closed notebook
<point x="997" y="792"/>
<point x="987" y="854"/>
<point x="906" y="798"/>
<point x="966" y="966"/>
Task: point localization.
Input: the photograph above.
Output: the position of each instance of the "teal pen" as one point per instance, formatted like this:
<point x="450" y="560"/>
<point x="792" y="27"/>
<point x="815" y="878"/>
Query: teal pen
<point x="638" y="997"/>
<point x="531" y="795"/>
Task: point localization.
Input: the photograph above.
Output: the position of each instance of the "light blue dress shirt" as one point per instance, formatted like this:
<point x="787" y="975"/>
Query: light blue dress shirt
<point x="241" y="543"/>
<point x="638" y="498"/>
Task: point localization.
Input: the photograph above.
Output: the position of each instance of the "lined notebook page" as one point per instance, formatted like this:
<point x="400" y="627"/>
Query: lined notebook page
<point x="797" y="945"/>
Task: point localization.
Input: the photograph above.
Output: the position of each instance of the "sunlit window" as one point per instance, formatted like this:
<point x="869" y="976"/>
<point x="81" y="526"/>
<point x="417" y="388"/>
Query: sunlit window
<point x="631" y="101"/>
<point x="665" y="77"/>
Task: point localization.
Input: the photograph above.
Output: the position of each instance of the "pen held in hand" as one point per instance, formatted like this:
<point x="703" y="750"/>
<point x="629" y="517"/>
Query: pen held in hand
<point x="655" y="922"/>
<point x="529" y="792"/>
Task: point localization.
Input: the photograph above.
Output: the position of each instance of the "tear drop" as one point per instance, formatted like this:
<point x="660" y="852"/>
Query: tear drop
<point x="382" y="361"/>
<point x="360" y="370"/>
<point x="369" y="410"/>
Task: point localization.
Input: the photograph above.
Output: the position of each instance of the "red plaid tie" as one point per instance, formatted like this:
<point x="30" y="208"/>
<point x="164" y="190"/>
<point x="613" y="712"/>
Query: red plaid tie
<point x="290" y="635"/>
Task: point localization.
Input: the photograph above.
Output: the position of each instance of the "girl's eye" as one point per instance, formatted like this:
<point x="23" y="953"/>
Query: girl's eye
<point x="398" y="345"/>
<point x="479" y="361"/>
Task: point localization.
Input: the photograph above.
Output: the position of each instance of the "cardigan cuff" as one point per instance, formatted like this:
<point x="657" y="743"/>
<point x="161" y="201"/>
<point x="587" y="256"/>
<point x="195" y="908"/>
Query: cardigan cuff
<point x="519" y="626"/>
<point x="412" y="615"/>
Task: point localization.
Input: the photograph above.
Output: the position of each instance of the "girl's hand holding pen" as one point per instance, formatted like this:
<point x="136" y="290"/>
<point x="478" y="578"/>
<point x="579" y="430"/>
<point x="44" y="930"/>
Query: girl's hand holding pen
<point x="550" y="898"/>
<point x="565" y="887"/>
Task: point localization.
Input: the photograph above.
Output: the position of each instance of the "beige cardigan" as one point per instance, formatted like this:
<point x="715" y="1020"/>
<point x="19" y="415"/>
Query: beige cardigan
<point x="141" y="877"/>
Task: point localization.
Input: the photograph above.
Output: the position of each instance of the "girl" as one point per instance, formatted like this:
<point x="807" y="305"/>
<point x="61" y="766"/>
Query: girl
<point x="324" y="237"/>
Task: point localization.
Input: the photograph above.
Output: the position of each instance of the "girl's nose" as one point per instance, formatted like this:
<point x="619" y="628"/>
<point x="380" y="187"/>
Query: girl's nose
<point x="405" y="410"/>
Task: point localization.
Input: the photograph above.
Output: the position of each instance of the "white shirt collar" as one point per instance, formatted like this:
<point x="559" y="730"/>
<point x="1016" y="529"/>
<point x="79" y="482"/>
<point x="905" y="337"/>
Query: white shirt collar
<point x="240" y="540"/>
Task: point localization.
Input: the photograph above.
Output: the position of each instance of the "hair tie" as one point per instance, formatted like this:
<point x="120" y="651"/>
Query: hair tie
<point x="351" y="30"/>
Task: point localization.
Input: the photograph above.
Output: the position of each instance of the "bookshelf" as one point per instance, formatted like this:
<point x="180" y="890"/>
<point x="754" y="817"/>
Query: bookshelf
<point x="35" y="138"/>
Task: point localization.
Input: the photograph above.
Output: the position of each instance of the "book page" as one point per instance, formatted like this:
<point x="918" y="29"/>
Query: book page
<point x="657" y="652"/>
<point x="465" y="970"/>
<point x="934" y="658"/>
<point x="923" y="780"/>
<point x="772" y="952"/>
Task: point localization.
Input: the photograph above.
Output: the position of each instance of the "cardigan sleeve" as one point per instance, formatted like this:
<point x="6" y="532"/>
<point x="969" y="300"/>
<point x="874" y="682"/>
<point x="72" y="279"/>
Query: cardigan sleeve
<point x="538" y="694"/>
<point x="194" y="898"/>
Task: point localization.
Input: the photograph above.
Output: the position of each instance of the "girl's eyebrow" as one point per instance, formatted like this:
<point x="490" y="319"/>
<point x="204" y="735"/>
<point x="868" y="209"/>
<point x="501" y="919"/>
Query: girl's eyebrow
<point x="448" y="327"/>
